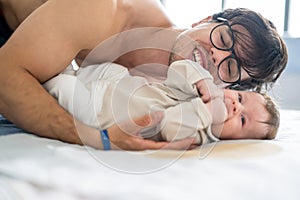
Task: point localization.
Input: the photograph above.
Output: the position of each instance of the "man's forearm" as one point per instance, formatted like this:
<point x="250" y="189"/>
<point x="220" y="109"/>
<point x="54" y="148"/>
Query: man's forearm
<point x="25" y="102"/>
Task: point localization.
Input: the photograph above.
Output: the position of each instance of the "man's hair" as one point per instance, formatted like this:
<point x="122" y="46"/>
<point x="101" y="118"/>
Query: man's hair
<point x="260" y="50"/>
<point x="274" y="117"/>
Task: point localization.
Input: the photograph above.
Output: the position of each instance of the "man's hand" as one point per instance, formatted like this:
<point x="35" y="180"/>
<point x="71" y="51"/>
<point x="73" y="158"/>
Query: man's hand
<point x="120" y="139"/>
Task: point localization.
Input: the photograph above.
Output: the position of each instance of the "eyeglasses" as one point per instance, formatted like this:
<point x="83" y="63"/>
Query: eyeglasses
<point x="222" y="38"/>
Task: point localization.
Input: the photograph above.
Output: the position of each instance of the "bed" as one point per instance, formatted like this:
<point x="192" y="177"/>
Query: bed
<point x="37" y="168"/>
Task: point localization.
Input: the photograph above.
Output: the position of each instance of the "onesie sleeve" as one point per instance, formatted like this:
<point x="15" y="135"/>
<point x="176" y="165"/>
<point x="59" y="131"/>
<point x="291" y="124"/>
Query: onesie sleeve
<point x="187" y="119"/>
<point x="182" y="76"/>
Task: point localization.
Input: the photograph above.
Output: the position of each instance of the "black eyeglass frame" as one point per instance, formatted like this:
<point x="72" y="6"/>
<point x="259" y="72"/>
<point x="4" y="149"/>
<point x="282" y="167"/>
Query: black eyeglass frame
<point x="233" y="55"/>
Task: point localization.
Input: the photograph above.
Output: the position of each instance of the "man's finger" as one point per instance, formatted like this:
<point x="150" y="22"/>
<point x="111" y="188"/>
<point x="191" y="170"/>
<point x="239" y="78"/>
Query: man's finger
<point x="181" y="144"/>
<point x="188" y="143"/>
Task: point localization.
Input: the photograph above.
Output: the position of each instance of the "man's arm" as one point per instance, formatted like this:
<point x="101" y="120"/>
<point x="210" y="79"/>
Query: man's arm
<point x="40" y="48"/>
<point x="26" y="103"/>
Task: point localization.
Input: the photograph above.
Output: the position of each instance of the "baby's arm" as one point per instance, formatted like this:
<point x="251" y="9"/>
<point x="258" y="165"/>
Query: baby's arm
<point x="208" y="90"/>
<point x="218" y="110"/>
<point x="214" y="103"/>
<point x="183" y="76"/>
<point x="191" y="79"/>
<point x="219" y="115"/>
<point x="214" y="99"/>
<point x="187" y="119"/>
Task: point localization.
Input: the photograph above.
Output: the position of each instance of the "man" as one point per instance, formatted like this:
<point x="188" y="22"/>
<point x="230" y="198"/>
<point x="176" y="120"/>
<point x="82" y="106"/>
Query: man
<point x="59" y="31"/>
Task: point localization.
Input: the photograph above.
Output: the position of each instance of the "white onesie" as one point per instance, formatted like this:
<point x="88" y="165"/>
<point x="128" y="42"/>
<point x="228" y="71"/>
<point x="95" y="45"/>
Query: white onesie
<point x="103" y="95"/>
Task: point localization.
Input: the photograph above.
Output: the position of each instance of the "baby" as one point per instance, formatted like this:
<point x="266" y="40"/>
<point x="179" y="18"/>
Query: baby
<point x="102" y="95"/>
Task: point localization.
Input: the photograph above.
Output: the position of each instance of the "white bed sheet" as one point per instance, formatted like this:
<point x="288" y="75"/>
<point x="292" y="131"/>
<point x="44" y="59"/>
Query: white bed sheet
<point x="39" y="168"/>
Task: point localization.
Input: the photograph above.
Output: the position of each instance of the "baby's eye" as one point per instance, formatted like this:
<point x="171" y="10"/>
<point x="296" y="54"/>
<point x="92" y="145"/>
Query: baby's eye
<point x="240" y="98"/>
<point x="243" y="120"/>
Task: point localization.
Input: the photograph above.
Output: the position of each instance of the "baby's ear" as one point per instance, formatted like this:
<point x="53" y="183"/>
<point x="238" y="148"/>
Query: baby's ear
<point x="207" y="19"/>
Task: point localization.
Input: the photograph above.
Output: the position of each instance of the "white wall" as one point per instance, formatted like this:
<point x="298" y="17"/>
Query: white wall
<point x="287" y="90"/>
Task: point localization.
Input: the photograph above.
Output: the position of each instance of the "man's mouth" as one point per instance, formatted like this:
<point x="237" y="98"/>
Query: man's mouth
<point x="198" y="56"/>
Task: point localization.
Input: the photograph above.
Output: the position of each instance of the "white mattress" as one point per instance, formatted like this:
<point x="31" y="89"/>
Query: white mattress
<point x="38" y="168"/>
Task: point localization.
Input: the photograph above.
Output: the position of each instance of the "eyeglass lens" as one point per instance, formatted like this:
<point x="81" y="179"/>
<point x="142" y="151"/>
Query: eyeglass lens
<point x="229" y="70"/>
<point x="222" y="39"/>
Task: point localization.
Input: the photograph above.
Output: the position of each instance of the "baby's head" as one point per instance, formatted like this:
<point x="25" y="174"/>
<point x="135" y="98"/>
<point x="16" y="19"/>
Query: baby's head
<point x="251" y="115"/>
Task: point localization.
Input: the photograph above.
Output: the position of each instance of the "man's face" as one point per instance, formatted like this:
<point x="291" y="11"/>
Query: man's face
<point x="195" y="44"/>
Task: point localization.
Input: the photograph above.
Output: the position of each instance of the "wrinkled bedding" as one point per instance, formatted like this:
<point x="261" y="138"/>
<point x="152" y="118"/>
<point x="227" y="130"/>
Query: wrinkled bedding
<point x="37" y="168"/>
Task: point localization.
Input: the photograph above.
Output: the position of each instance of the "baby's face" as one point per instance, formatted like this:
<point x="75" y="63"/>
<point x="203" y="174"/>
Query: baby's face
<point x="246" y="114"/>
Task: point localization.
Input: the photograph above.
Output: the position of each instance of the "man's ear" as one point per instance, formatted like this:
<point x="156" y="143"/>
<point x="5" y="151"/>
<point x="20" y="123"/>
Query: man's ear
<point x="207" y="19"/>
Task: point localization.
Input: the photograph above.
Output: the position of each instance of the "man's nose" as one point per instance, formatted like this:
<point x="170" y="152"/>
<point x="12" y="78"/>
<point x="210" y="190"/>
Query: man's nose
<point x="218" y="55"/>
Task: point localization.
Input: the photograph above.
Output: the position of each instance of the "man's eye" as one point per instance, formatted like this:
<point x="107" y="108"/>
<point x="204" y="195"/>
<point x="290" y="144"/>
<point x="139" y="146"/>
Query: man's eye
<point x="222" y="41"/>
<point x="243" y="120"/>
<point x="226" y="39"/>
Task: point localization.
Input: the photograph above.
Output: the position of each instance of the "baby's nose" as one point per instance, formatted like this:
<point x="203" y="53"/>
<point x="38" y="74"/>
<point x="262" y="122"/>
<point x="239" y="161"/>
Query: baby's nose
<point x="233" y="107"/>
<point x="236" y="106"/>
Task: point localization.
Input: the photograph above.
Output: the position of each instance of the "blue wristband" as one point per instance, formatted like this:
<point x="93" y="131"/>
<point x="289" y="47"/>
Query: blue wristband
<point x="105" y="139"/>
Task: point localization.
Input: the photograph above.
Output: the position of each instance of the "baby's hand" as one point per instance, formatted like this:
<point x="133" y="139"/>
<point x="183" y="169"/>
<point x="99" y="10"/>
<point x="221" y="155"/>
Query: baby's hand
<point x="218" y="110"/>
<point x="219" y="116"/>
<point x="208" y="90"/>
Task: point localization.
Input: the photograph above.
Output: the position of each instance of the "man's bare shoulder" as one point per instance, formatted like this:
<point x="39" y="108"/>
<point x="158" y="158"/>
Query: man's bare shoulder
<point x="92" y="19"/>
<point x="47" y="41"/>
<point x="59" y="29"/>
<point x="148" y="13"/>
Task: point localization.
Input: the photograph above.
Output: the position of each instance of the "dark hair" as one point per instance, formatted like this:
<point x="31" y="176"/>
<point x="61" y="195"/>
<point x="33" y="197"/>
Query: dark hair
<point x="259" y="48"/>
